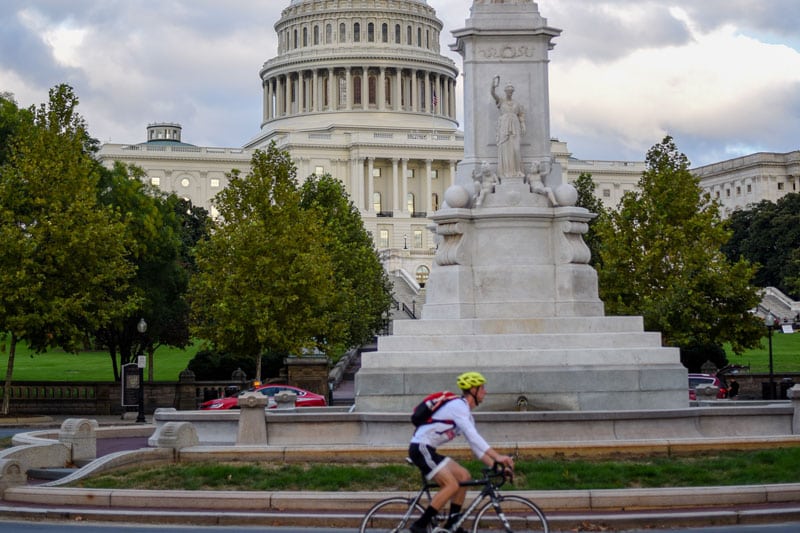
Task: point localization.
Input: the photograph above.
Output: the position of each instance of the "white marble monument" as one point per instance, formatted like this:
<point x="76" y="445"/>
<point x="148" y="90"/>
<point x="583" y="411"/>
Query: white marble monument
<point x="511" y="293"/>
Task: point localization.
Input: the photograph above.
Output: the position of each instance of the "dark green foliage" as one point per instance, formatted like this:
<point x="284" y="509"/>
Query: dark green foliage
<point x="694" y="357"/>
<point x="212" y="365"/>
<point x="660" y="258"/>
<point x="586" y="199"/>
<point x="768" y="234"/>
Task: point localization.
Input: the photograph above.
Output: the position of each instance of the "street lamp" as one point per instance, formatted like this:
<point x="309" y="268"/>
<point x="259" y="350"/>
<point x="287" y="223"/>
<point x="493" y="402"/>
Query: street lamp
<point x="141" y="327"/>
<point x="405" y="241"/>
<point x="769" y="321"/>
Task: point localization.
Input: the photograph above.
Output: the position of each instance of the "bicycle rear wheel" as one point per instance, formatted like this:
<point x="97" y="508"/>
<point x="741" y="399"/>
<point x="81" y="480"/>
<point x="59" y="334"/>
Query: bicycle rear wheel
<point x="391" y="514"/>
<point x="514" y="514"/>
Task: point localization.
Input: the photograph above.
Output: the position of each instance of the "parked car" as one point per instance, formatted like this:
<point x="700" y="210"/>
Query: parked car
<point x="304" y="398"/>
<point x="706" y="379"/>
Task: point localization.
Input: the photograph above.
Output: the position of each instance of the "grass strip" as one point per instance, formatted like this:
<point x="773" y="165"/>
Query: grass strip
<point x="708" y="469"/>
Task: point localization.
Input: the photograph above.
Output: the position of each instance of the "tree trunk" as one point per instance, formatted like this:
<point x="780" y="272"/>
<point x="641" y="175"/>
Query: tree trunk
<point x="113" y="353"/>
<point x="258" y="368"/>
<point x="9" y="372"/>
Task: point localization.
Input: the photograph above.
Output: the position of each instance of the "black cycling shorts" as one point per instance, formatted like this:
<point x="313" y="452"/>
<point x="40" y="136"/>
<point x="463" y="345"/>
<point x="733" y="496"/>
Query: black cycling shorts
<point x="427" y="459"/>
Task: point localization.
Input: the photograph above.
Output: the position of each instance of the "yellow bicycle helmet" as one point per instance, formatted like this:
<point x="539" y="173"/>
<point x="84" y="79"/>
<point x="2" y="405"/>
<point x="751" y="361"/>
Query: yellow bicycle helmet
<point x="467" y="380"/>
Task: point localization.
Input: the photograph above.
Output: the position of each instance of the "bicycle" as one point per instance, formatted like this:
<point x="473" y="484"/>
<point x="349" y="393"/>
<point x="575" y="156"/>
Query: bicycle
<point x="510" y="513"/>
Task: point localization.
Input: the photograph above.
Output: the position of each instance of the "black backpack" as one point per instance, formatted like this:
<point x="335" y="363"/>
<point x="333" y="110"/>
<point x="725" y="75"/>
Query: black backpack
<point x="423" y="413"/>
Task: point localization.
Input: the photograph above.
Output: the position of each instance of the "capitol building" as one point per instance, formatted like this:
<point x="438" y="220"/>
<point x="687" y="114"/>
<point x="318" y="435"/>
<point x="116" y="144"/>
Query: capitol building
<point x="359" y="89"/>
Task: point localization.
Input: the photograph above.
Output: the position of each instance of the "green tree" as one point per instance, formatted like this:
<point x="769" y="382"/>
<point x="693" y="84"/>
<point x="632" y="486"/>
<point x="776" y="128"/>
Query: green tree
<point x="160" y="230"/>
<point x="587" y="199"/>
<point x="63" y="266"/>
<point x="768" y="234"/>
<point x="265" y="277"/>
<point x="660" y="258"/>
<point x="363" y="291"/>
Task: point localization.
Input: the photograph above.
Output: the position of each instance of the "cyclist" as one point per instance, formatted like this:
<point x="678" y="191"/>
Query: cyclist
<point x="451" y="419"/>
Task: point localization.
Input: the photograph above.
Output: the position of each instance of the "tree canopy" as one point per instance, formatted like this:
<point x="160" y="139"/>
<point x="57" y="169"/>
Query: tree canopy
<point x="265" y="279"/>
<point x="660" y="257"/>
<point x="63" y="259"/>
<point x="587" y="199"/>
<point x="768" y="234"/>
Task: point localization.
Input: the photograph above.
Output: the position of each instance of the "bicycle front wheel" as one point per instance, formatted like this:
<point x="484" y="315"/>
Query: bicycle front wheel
<point x="513" y="514"/>
<point x="392" y="515"/>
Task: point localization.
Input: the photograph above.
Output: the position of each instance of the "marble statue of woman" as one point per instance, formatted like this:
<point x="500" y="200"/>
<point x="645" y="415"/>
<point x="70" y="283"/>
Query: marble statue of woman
<point x="510" y="129"/>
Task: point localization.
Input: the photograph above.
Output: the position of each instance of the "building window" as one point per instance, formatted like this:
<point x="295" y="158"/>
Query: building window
<point x="376" y="173"/>
<point x="316" y="35"/>
<point x="356" y="32"/>
<point x="749" y="188"/>
<point x="738" y="191"/>
<point x="371" y="32"/>
<point x="780" y="186"/>
<point x="410" y="202"/>
<point x="385" y="33"/>
<point x="435" y="201"/>
<point x="155" y="181"/>
<point x="372" y="85"/>
<point x="319" y="171"/>
<point x="606" y="193"/>
<point x="328" y="34"/>
<point x="387" y="90"/>
<point x="383" y="238"/>
<point x="376" y="202"/>
<point x="409" y="172"/>
<point x="727" y="193"/>
<point x="295" y="39"/>
<point x="305" y="37"/>
<point x="397" y="33"/>
<point x="214" y="183"/>
<point x="417" y="238"/>
<point x="419" y="37"/>
<point x="408" y="35"/>
<point x="342" y="32"/>
<point x="356" y="89"/>
<point x="422" y="274"/>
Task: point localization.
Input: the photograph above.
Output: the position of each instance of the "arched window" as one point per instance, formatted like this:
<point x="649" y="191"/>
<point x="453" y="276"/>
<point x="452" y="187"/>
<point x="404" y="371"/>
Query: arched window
<point x="305" y="37"/>
<point x="427" y="38"/>
<point x="356" y="90"/>
<point x="371" y="32"/>
<point x="342" y="32"/>
<point x="387" y="90"/>
<point x="408" y="35"/>
<point x="422" y="274"/>
<point x="410" y="202"/>
<point x="376" y="202"/>
<point x="435" y="201"/>
<point x="372" y="83"/>
<point x="419" y="37"/>
<point x="328" y="34"/>
<point x="295" y="39"/>
<point x="316" y="35"/>
<point x="397" y="33"/>
<point x="385" y="33"/>
<point x="356" y="32"/>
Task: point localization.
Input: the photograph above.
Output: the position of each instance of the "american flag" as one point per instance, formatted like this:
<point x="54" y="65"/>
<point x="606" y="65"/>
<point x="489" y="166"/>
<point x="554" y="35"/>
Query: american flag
<point x="435" y="99"/>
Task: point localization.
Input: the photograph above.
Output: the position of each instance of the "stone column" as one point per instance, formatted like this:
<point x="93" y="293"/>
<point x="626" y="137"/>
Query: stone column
<point x="395" y="186"/>
<point x="452" y="174"/>
<point x="252" y="419"/>
<point x="428" y="93"/>
<point x="287" y="96"/>
<point x="398" y="89"/>
<point x="315" y="92"/>
<point x="414" y="91"/>
<point x="404" y="178"/>
<point x="349" y="88"/>
<point x="382" y="89"/>
<point x="331" y="79"/>
<point x="428" y="186"/>
<point x="370" y="184"/>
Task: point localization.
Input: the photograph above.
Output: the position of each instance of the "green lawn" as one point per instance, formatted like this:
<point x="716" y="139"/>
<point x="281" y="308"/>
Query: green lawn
<point x="56" y="365"/>
<point x="785" y="354"/>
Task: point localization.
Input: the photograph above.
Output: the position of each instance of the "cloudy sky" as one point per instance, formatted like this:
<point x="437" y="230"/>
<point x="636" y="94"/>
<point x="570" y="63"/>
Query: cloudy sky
<point x="721" y="76"/>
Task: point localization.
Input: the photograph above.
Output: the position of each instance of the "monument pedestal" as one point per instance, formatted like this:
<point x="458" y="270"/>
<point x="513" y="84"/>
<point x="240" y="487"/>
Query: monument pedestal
<point x="511" y="293"/>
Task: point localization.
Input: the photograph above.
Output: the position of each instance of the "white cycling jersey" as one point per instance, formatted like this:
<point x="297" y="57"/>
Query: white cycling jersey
<point x="451" y="420"/>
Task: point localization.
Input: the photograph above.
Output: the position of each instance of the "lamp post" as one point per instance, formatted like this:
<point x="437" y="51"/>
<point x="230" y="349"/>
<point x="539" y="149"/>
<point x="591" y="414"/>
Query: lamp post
<point x="769" y="321"/>
<point x="405" y="241"/>
<point x="141" y="327"/>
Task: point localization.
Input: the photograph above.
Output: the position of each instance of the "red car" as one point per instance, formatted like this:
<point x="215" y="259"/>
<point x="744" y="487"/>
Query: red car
<point x="706" y="379"/>
<point x="304" y="398"/>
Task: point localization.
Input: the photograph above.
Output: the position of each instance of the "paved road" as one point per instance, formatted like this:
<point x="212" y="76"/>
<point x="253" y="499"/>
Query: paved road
<point x="40" y="527"/>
